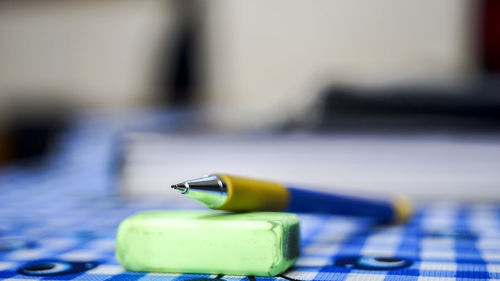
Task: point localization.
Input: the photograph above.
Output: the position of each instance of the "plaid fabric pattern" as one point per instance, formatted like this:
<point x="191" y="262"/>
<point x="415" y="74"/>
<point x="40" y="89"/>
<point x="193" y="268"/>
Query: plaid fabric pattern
<point x="60" y="224"/>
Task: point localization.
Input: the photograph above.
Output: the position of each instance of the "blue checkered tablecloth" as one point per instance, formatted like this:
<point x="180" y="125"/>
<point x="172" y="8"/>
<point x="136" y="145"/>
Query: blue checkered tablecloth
<point x="59" y="223"/>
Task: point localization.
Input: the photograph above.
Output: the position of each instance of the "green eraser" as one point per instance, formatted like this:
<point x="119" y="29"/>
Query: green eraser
<point x="259" y="243"/>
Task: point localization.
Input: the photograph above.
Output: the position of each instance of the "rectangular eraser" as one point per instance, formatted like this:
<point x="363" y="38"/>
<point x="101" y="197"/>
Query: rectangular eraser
<point x="257" y="243"/>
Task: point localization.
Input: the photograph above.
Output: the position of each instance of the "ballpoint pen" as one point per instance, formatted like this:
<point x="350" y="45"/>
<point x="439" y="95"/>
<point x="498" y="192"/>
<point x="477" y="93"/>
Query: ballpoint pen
<point x="239" y="194"/>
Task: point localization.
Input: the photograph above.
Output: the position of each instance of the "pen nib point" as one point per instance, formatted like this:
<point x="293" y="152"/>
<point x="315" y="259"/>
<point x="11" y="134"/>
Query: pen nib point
<point x="182" y="188"/>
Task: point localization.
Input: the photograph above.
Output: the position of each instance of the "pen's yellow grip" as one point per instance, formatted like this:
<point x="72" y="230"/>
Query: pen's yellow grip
<point x="254" y="195"/>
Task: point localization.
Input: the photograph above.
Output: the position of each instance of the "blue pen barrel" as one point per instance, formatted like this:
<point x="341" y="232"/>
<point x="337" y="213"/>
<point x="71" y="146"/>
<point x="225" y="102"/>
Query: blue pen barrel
<point x="320" y="202"/>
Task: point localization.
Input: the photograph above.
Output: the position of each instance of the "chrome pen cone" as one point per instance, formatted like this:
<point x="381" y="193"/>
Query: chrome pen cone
<point x="209" y="190"/>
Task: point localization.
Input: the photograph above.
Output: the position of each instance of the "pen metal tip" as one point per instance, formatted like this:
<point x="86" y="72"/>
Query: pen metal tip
<point x="181" y="187"/>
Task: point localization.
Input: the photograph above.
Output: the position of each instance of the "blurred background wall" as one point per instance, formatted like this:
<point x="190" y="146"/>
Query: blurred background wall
<point x="250" y="63"/>
<point x="265" y="59"/>
<point x="270" y="59"/>
<point x="89" y="53"/>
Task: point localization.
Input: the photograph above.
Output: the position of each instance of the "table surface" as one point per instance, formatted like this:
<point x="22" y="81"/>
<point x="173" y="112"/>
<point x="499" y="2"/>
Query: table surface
<point x="59" y="223"/>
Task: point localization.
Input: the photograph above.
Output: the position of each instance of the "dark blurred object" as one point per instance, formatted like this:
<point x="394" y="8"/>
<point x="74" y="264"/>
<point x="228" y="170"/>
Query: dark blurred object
<point x="32" y="130"/>
<point x="179" y="72"/>
<point x="5" y="144"/>
<point x="490" y="33"/>
<point x="405" y="109"/>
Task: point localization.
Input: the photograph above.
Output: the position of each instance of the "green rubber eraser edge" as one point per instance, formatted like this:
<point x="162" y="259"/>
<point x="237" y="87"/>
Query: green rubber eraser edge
<point x="257" y="243"/>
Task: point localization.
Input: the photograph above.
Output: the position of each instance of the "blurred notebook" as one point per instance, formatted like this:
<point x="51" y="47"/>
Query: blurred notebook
<point x="423" y="167"/>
